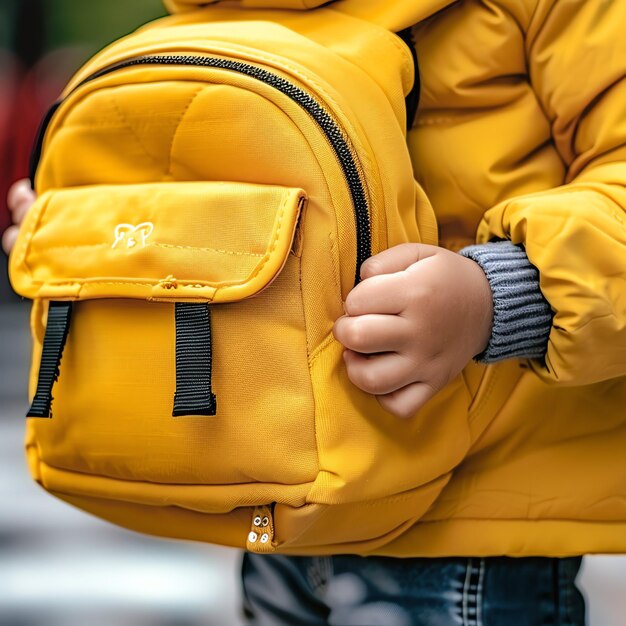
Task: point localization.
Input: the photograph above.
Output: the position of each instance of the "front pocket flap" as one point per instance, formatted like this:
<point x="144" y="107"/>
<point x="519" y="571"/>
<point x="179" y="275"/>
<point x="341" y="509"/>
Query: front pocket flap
<point x="203" y="241"/>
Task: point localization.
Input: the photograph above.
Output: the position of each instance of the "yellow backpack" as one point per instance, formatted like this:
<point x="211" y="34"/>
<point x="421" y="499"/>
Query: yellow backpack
<point x="208" y="188"/>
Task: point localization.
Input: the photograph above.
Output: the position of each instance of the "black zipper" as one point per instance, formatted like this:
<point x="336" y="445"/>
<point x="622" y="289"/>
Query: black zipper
<point x="327" y="124"/>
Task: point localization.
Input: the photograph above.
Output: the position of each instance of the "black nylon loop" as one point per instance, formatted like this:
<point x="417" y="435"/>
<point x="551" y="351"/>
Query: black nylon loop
<point x="59" y="315"/>
<point x="194" y="361"/>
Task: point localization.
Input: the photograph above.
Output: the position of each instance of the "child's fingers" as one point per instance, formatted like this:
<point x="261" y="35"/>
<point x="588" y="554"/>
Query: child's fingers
<point x="9" y="237"/>
<point x="396" y="259"/>
<point x="406" y="402"/>
<point x="19" y="199"/>
<point x="380" y="374"/>
<point x="19" y="191"/>
<point x="369" y="334"/>
<point x="385" y="294"/>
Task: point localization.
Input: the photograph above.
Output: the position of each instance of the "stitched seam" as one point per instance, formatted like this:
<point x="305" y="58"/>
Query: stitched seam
<point x="464" y="601"/>
<point x="181" y="119"/>
<point x="233" y="252"/>
<point x="270" y="252"/>
<point x="328" y="340"/>
<point x="158" y="245"/>
<point x="473" y="597"/>
<point x="479" y="593"/>
<point x="335" y="256"/>
<point x="95" y="281"/>
<point x="472" y="592"/>
<point x="130" y="127"/>
<point x="103" y="282"/>
<point x="314" y="402"/>
<point x="318" y="351"/>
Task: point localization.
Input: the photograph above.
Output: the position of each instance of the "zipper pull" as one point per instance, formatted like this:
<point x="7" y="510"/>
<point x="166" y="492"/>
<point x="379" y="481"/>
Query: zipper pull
<point x="261" y="535"/>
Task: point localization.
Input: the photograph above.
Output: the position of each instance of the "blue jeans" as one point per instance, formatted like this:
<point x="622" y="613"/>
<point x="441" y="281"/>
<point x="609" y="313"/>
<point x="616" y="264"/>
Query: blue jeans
<point x="379" y="591"/>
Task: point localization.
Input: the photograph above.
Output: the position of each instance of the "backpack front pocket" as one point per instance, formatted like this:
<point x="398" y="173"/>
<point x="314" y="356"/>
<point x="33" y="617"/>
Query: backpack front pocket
<point x="186" y="317"/>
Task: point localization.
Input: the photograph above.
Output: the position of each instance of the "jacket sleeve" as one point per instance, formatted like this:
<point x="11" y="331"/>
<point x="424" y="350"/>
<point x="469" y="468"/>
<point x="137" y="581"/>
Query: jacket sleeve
<point x="576" y="234"/>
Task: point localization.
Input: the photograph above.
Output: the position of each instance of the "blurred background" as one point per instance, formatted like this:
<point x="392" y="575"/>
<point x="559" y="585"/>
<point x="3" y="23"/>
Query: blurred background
<point x="58" y="566"/>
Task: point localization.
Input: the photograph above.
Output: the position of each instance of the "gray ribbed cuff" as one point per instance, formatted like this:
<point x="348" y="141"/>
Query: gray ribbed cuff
<point x="522" y="317"/>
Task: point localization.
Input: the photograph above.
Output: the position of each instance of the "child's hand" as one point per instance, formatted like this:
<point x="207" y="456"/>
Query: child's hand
<point x="419" y="316"/>
<point x="20" y="198"/>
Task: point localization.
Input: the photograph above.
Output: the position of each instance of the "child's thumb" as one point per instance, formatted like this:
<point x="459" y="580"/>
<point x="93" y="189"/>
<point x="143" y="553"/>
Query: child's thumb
<point x="396" y="259"/>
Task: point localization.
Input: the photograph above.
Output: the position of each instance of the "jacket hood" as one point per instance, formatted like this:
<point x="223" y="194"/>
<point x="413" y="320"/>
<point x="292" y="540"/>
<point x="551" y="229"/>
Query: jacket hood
<point x="178" y="6"/>
<point x="396" y="14"/>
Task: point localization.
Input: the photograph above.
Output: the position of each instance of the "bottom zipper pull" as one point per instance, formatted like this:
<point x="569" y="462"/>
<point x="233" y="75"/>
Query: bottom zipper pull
<point x="261" y="535"/>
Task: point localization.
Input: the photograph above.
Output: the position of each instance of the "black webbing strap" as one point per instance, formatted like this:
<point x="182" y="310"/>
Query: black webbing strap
<point x="194" y="361"/>
<point x="59" y="314"/>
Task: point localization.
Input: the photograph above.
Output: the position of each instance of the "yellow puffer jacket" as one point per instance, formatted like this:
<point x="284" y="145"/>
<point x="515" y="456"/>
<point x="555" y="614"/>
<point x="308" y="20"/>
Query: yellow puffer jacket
<point x="522" y="133"/>
<point x="519" y="135"/>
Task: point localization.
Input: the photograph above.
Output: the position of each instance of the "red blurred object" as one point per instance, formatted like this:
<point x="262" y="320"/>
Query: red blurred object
<point x="9" y="78"/>
<point x="24" y="99"/>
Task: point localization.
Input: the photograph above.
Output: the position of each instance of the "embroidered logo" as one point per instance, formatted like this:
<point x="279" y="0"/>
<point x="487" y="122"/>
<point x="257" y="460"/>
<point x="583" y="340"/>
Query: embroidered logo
<point x="129" y="236"/>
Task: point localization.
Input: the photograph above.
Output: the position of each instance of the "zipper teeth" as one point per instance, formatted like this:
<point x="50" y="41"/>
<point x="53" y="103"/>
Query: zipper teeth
<point x="330" y="128"/>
